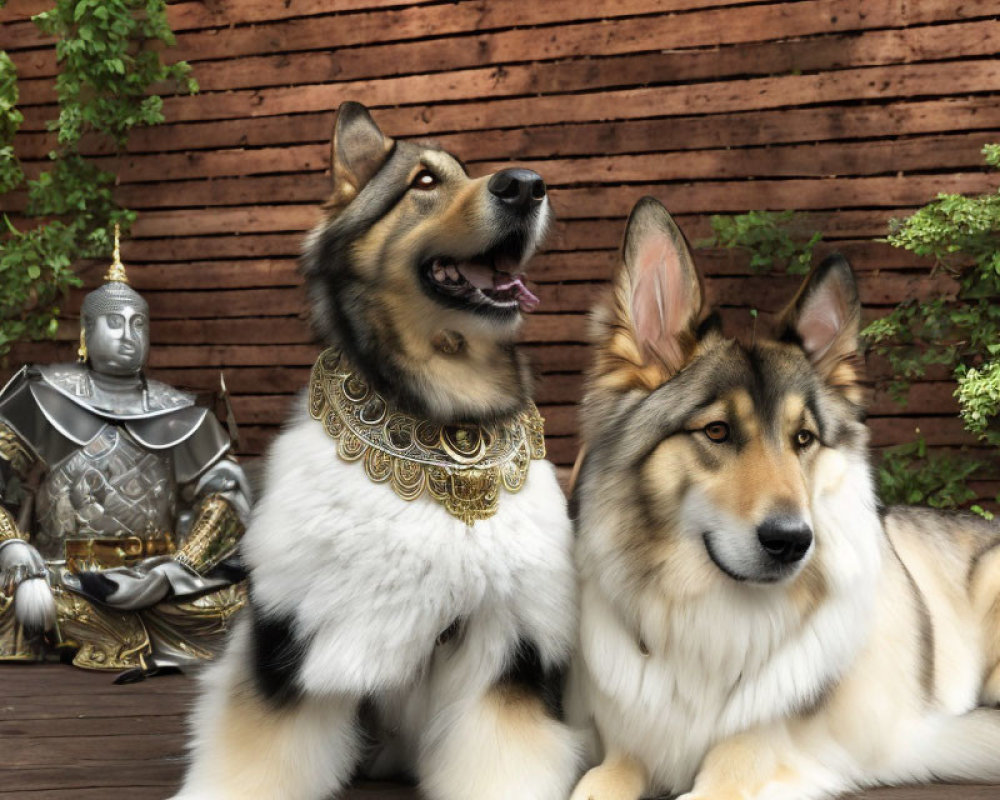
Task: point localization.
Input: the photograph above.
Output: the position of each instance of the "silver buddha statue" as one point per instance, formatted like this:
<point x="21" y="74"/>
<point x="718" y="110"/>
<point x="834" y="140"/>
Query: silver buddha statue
<point x="119" y="505"/>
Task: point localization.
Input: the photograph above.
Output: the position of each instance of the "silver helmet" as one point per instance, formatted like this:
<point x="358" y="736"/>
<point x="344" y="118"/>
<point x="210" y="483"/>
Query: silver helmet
<point x="114" y="324"/>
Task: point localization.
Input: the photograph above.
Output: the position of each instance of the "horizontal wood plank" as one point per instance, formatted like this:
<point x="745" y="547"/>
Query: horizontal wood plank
<point x="840" y="159"/>
<point x="771" y="293"/>
<point x="806" y="54"/>
<point x="69" y="758"/>
<point x="737" y="129"/>
<point x="399" y="20"/>
<point x="679" y="100"/>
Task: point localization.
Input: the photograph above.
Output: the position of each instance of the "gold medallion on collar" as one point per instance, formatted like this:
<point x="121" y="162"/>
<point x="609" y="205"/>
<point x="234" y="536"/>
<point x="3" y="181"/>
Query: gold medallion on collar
<point x="463" y="467"/>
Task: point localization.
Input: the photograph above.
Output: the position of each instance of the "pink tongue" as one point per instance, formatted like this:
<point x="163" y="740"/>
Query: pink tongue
<point x="486" y="278"/>
<point x="525" y="297"/>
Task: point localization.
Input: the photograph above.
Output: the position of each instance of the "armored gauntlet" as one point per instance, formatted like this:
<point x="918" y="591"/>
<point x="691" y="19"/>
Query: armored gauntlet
<point x="214" y="534"/>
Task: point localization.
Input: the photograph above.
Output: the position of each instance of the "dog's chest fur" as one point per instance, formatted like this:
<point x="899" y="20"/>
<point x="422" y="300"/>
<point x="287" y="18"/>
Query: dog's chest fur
<point x="727" y="660"/>
<point x="370" y="581"/>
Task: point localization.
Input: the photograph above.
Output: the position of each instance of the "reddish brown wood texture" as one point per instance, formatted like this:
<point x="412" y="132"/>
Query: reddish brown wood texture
<point x="853" y="112"/>
<point x="73" y="735"/>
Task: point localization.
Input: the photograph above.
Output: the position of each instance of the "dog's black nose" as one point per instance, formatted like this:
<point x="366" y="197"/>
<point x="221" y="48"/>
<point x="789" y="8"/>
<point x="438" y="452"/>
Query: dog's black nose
<point x="785" y="539"/>
<point x="519" y="188"/>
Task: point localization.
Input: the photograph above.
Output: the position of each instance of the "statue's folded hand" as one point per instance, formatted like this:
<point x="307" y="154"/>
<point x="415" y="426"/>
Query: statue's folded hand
<point x="124" y="588"/>
<point x="141" y="586"/>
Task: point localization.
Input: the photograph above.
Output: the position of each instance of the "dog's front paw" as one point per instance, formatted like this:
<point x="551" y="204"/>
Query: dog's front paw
<point x="603" y="783"/>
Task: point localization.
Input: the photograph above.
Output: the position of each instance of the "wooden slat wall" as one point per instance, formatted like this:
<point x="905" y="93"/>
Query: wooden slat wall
<point x="855" y="112"/>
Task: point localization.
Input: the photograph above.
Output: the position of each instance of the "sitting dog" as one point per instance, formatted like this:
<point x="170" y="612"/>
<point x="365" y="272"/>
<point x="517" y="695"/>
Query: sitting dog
<point x="412" y="590"/>
<point x="753" y="624"/>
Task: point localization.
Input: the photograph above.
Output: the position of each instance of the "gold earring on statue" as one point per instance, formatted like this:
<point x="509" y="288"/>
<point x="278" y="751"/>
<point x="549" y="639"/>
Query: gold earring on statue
<point x="81" y="353"/>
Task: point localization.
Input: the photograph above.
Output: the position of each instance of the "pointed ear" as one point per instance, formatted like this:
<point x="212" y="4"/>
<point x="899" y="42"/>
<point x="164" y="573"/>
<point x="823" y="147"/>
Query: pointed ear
<point x="357" y="151"/>
<point x="658" y="300"/>
<point x="825" y="320"/>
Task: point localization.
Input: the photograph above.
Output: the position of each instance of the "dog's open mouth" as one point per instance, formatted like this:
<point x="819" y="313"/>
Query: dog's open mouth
<point x="480" y="283"/>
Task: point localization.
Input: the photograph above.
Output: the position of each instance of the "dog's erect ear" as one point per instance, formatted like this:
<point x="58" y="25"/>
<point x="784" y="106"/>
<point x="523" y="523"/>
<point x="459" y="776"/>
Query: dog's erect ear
<point x="825" y="320"/>
<point x="358" y="150"/>
<point x="658" y="300"/>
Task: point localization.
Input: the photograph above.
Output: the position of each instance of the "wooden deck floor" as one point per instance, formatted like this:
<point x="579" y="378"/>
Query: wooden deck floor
<point x="66" y="734"/>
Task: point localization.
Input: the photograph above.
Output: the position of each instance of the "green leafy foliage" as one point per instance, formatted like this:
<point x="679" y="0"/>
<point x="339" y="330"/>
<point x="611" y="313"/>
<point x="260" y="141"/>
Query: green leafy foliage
<point x="109" y="57"/>
<point x="771" y="238"/>
<point x="10" y="121"/>
<point x="35" y="270"/>
<point x="978" y="395"/>
<point x="962" y="235"/>
<point x="911" y="474"/>
<point x="992" y="153"/>
<point x="108" y="65"/>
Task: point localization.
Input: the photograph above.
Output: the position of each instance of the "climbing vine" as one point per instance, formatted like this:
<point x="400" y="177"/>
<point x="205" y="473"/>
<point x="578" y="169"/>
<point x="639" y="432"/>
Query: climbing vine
<point x="961" y="331"/>
<point x="772" y="239"/>
<point x="108" y="53"/>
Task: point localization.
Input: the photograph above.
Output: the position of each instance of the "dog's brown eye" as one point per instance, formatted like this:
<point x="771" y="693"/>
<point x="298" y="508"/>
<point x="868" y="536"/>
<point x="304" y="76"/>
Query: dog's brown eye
<point x="804" y="438"/>
<point x="425" y="180"/>
<point x="717" y="431"/>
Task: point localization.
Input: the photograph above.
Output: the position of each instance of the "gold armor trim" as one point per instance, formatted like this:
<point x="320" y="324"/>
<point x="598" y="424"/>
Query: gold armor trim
<point x="463" y="467"/>
<point x="195" y="628"/>
<point x="15" y="450"/>
<point x="107" y="553"/>
<point x="116" y="270"/>
<point x="14" y="645"/>
<point x="103" y="638"/>
<point x="8" y="527"/>
<point x="214" y="534"/>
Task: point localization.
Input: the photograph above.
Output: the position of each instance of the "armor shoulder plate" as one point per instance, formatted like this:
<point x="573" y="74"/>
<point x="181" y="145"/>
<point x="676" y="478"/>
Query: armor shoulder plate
<point x="164" y="397"/>
<point x="194" y="436"/>
<point x="17" y="407"/>
<point x="47" y="421"/>
<point x="74" y="382"/>
<point x="77" y="424"/>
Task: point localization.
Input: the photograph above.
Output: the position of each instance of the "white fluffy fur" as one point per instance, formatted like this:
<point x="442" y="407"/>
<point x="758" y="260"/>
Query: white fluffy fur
<point x="495" y="748"/>
<point x="35" y="608"/>
<point x="371" y="580"/>
<point x="732" y="657"/>
<point x="741" y="697"/>
<point x="242" y="748"/>
<point x="34" y="605"/>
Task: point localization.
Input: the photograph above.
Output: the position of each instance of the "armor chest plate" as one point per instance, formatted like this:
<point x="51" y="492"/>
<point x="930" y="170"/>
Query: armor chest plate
<point x="110" y="487"/>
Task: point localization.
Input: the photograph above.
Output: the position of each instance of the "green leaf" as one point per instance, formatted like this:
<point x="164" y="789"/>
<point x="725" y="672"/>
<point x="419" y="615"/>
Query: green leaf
<point x="109" y="57"/>
<point x="770" y="238"/>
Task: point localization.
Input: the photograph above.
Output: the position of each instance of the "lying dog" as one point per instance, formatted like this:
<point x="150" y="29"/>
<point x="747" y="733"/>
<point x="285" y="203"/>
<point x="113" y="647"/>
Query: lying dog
<point x="412" y="588"/>
<point x="753" y="625"/>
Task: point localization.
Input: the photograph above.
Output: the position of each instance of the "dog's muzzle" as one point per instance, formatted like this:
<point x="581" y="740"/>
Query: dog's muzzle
<point x="786" y="540"/>
<point x="520" y="189"/>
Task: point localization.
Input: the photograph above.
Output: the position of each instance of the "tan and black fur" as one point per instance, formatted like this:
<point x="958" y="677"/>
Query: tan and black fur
<point x="384" y="635"/>
<point x="363" y="266"/>
<point x="753" y="624"/>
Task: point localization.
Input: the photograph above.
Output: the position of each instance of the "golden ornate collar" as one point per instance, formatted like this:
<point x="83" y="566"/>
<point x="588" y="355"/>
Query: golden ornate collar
<point x="461" y="466"/>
